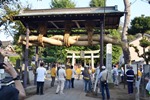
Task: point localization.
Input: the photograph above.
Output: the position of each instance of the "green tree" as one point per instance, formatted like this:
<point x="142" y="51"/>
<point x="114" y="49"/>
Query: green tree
<point x="145" y="43"/>
<point x="140" y="25"/>
<point x="116" y="50"/>
<point x="11" y="8"/>
<point x="97" y="3"/>
<point x="62" y="4"/>
<point x="8" y="10"/>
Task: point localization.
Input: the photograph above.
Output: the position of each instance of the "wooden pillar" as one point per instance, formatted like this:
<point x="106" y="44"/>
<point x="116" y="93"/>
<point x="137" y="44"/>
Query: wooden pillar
<point x="101" y="44"/>
<point x="73" y="58"/>
<point x="26" y="56"/>
<point x="36" y="63"/>
<point x="84" y="62"/>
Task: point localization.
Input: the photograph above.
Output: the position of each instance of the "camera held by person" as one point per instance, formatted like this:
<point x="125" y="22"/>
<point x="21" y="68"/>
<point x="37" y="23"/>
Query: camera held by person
<point x="7" y="91"/>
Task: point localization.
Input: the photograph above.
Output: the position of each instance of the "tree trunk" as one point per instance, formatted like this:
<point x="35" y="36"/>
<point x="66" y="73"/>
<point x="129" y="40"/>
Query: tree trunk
<point x="125" y="48"/>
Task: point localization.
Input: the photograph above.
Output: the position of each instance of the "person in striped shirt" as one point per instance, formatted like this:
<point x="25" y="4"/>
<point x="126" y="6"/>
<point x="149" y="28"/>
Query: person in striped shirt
<point x="130" y="80"/>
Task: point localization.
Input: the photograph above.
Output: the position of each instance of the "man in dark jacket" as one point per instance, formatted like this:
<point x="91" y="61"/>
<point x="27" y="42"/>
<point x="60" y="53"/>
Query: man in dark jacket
<point x="130" y="79"/>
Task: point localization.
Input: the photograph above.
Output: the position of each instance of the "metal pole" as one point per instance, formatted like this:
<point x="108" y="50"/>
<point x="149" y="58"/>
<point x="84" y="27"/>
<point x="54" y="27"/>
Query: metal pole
<point x="101" y="45"/>
<point x="137" y="86"/>
<point x="144" y="83"/>
<point x="124" y="79"/>
<point x="26" y="56"/>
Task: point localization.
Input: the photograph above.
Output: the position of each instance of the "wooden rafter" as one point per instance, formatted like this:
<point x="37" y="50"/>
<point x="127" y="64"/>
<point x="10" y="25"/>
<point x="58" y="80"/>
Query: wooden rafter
<point x="53" y="23"/>
<point x="77" y="24"/>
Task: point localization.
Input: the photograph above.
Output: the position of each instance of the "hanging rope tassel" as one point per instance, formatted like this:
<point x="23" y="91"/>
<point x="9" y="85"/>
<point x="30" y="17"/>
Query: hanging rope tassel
<point x="89" y="27"/>
<point x="68" y="25"/>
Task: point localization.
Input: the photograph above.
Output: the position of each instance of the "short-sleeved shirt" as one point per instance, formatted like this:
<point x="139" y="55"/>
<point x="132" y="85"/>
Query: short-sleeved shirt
<point x="68" y="74"/>
<point x="78" y="71"/>
<point x="115" y="71"/>
<point x="103" y="75"/>
<point x="139" y="73"/>
<point x="61" y="74"/>
<point x="41" y="72"/>
<point x="53" y="72"/>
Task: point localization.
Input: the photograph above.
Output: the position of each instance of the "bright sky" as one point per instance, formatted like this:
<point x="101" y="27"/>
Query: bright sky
<point x="138" y="7"/>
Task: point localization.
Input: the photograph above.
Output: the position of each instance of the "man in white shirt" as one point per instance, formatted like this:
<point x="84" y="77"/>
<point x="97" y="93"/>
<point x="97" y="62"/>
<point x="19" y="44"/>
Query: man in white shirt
<point x="61" y="79"/>
<point x="41" y="73"/>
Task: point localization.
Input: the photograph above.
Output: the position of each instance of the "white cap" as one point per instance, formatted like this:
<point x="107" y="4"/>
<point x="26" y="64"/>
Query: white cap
<point x="103" y="67"/>
<point x="63" y="66"/>
<point x="86" y="66"/>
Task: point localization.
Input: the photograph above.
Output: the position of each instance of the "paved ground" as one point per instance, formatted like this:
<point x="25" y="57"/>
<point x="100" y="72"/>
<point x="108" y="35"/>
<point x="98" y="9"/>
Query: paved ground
<point x="117" y="93"/>
<point x="69" y="94"/>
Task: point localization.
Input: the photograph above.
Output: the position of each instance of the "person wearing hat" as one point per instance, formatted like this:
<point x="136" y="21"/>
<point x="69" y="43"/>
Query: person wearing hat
<point x="130" y="79"/>
<point x="103" y="76"/>
<point x="61" y="79"/>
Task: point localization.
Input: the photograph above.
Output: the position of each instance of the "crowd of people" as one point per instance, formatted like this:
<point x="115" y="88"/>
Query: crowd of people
<point x="64" y="75"/>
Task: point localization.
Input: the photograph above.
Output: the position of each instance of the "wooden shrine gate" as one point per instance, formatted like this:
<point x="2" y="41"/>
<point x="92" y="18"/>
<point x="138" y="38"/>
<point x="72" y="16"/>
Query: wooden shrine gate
<point x="74" y="26"/>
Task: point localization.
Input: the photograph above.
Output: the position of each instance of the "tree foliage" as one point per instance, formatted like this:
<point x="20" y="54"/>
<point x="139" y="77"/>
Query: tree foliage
<point x="116" y="50"/>
<point x="12" y="28"/>
<point x="62" y="4"/>
<point x="140" y="25"/>
<point x="144" y="42"/>
<point x="97" y="3"/>
<point x="8" y="10"/>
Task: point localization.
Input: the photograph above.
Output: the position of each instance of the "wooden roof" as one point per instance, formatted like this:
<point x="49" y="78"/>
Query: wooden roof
<point x="55" y="18"/>
<point x="5" y="44"/>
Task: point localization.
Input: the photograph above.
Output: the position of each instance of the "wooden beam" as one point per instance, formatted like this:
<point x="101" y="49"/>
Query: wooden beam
<point x="54" y="24"/>
<point x="77" y="24"/>
<point x="85" y="52"/>
<point x="97" y="56"/>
